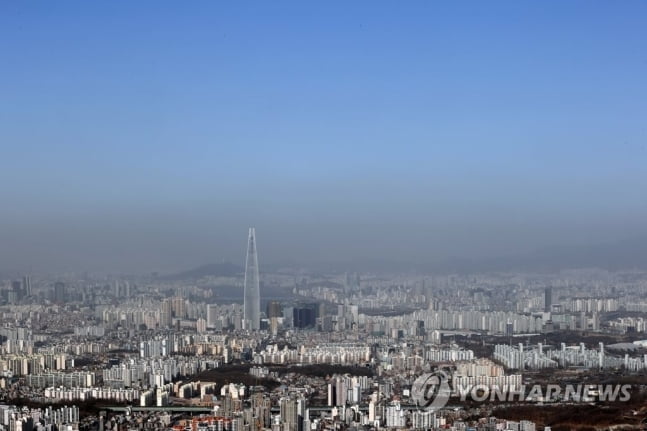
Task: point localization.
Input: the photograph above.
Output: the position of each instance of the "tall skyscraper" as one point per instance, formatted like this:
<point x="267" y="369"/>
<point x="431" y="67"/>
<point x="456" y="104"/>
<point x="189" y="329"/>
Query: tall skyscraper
<point x="274" y="309"/>
<point x="60" y="293"/>
<point x="26" y="285"/>
<point x="548" y="298"/>
<point x="251" y="293"/>
<point x="166" y="313"/>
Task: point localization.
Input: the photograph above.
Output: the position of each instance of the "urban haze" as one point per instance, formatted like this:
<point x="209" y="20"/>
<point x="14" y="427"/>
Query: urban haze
<point x="304" y="216"/>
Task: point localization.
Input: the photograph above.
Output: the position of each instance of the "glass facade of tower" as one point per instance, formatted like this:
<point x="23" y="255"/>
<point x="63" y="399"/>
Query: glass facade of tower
<point x="251" y="293"/>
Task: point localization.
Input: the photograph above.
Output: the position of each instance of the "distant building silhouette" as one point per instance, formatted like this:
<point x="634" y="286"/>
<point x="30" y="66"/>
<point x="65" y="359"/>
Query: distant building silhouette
<point x="351" y="283"/>
<point x="274" y="309"/>
<point x="305" y="315"/>
<point x="60" y="293"/>
<point x="26" y="285"/>
<point x="548" y="298"/>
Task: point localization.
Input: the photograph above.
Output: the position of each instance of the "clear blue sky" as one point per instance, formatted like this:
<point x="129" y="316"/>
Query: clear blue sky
<point x="151" y="134"/>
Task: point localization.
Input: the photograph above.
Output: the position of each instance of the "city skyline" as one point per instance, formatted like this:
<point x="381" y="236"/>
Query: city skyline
<point x="451" y="199"/>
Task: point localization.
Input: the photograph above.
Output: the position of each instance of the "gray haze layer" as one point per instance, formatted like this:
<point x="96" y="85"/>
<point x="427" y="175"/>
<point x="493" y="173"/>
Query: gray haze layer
<point x="173" y="237"/>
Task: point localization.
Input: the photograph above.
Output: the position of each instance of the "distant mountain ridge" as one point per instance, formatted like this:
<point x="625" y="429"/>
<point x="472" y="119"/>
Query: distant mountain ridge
<point x="628" y="254"/>
<point x="225" y="269"/>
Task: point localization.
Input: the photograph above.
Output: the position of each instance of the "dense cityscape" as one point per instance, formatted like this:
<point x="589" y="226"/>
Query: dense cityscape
<point x="328" y="351"/>
<point x="323" y="215"/>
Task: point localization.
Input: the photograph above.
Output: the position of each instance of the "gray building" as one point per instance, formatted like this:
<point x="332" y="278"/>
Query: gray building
<point x="251" y="293"/>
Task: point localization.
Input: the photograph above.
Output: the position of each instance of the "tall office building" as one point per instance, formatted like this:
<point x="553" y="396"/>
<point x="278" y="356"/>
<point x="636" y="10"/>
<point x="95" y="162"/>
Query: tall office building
<point x="26" y="285"/>
<point x="274" y="309"/>
<point x="17" y="291"/>
<point x="60" y="293"/>
<point x="548" y="298"/>
<point x="305" y="315"/>
<point x="251" y="293"/>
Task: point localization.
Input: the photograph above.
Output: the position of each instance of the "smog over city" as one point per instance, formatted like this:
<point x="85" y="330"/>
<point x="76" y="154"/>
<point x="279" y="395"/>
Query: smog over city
<point x="305" y="216"/>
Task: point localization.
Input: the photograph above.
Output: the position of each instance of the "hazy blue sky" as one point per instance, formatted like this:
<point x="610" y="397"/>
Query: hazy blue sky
<point x="150" y="135"/>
